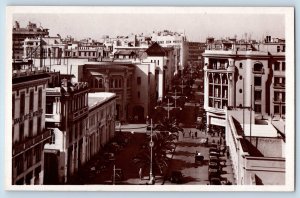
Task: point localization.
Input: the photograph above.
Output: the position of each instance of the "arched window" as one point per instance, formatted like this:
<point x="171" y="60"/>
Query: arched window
<point x="258" y="67"/>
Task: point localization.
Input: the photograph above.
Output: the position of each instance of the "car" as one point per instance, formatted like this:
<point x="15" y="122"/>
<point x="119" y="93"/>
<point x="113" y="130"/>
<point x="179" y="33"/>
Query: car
<point x="214" y="166"/>
<point x="214" y="150"/>
<point x="199" y="158"/>
<point x="176" y="177"/>
<point x="212" y="153"/>
<point x="214" y="173"/>
<point x="215" y="181"/>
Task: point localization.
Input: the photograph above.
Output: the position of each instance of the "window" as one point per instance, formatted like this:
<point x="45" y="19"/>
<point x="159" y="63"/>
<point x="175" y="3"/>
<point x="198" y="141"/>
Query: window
<point x="40" y="99"/>
<point x="21" y="132"/>
<point x="28" y="155"/>
<point x="278" y="48"/>
<point x="283" y="66"/>
<point x="241" y="65"/>
<point x="30" y="132"/>
<point x="276" y="109"/>
<point x="241" y="77"/>
<point x="31" y="98"/>
<point x="22" y="104"/>
<point x="276" y="80"/>
<point x="257" y="81"/>
<point x="257" y="95"/>
<point x="283" y="109"/>
<point x="257" y="108"/>
<point x="49" y="107"/>
<point x="39" y="125"/>
<point x="241" y="91"/>
<point x="276" y="66"/>
<point x="19" y="164"/>
<point x="138" y="80"/>
<point x="37" y="151"/>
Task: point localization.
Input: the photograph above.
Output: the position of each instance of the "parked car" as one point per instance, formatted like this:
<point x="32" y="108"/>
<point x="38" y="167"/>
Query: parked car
<point x="176" y="177"/>
<point x="214" y="173"/>
<point x="213" y="153"/>
<point x="199" y="158"/>
<point x="215" y="181"/>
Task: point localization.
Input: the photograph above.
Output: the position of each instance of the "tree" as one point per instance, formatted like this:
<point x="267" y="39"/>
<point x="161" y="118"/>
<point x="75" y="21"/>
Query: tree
<point x="164" y="145"/>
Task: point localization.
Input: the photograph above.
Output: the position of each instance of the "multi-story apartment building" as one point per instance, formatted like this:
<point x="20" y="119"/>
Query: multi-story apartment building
<point x="42" y="48"/>
<point x="29" y="134"/>
<point x="67" y="117"/>
<point x="20" y="34"/>
<point x="101" y="122"/>
<point x="176" y="40"/>
<point x="253" y="77"/>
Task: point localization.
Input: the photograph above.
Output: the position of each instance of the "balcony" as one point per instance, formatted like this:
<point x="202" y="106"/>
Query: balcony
<point x="258" y="71"/>
<point x="278" y="100"/>
<point x="279" y="86"/>
<point x="27" y="144"/>
<point x="52" y="117"/>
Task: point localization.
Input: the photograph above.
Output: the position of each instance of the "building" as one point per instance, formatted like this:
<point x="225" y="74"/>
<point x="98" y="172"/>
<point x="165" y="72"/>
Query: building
<point x="194" y="52"/>
<point x="176" y="40"/>
<point x="113" y="77"/>
<point x="67" y="117"/>
<point x="251" y="144"/>
<point x="101" y="122"/>
<point x="19" y="34"/>
<point x="245" y="75"/>
<point x="138" y="77"/>
<point x="29" y="134"/>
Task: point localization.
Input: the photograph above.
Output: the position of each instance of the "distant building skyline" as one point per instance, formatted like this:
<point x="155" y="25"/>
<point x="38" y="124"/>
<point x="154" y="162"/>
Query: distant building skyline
<point x="197" y="27"/>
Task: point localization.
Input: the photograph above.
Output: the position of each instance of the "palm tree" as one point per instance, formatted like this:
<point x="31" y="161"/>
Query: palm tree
<point x="164" y="145"/>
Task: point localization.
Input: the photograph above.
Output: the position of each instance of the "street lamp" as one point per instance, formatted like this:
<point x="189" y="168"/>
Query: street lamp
<point x="151" y="144"/>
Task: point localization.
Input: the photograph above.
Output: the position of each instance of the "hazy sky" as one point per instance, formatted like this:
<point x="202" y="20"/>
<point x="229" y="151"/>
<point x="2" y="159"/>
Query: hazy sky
<point x="196" y="26"/>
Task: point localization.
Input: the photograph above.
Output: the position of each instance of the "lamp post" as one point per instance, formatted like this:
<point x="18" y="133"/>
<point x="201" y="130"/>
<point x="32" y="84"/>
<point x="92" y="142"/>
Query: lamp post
<point x="151" y="144"/>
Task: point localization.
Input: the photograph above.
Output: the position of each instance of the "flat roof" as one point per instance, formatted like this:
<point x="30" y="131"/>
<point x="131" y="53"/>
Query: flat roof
<point x="99" y="98"/>
<point x="260" y="130"/>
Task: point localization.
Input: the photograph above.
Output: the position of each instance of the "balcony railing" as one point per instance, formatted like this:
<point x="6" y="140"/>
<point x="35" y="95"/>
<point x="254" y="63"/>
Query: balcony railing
<point x="258" y="71"/>
<point x="278" y="100"/>
<point x="279" y="86"/>
<point x="52" y="117"/>
<point x="25" y="145"/>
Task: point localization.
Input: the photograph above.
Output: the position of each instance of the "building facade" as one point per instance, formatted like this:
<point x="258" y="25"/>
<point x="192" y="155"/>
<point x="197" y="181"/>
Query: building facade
<point x="67" y="117"/>
<point x="20" y="34"/>
<point x="113" y="77"/>
<point x="29" y="134"/>
<point x="101" y="122"/>
<point x="252" y="77"/>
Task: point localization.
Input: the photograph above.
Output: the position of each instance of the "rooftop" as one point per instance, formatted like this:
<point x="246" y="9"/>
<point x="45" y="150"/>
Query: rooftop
<point x="95" y="99"/>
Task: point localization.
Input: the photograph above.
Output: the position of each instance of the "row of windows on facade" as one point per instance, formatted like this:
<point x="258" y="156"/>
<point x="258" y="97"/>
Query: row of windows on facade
<point x="278" y="109"/>
<point x="22" y="103"/>
<point x="76" y="129"/>
<point x="21" y="126"/>
<point x="113" y="83"/>
<point x="27" y="159"/>
<point x="223" y="64"/>
<point x="99" y="116"/>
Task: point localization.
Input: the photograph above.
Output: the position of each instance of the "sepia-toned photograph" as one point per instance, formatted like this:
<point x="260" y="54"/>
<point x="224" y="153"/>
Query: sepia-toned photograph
<point x="107" y="98"/>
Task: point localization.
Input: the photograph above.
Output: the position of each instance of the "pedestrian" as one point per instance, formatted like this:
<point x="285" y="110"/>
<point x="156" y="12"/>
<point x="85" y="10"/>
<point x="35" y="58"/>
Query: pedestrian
<point x="140" y="173"/>
<point x="196" y="135"/>
<point x="190" y="133"/>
